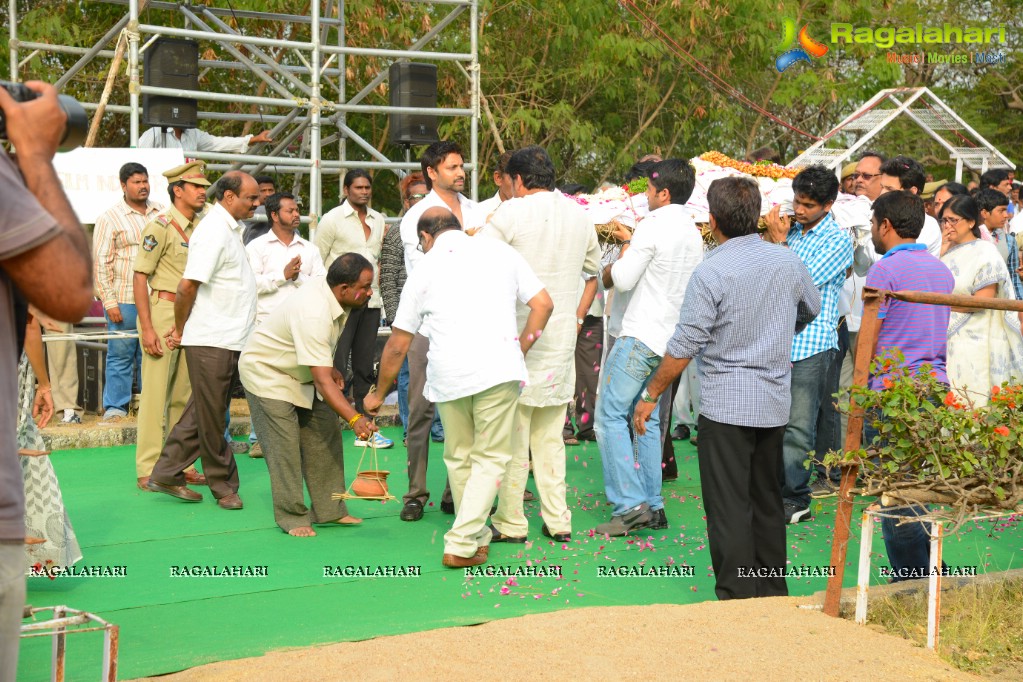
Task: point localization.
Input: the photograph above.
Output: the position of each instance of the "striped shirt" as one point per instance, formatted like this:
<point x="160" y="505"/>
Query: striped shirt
<point x="741" y="309"/>
<point x="917" y="330"/>
<point x="115" y="243"/>
<point x="827" y="252"/>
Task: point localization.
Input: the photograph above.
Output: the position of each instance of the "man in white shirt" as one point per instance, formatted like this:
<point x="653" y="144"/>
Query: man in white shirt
<point x="557" y="239"/>
<point x="445" y="178"/>
<point x="195" y="140"/>
<point x="655" y="265"/>
<point x="295" y="395"/>
<point x="115" y="244"/>
<point x="354" y="227"/>
<point x="476" y="365"/>
<point x="281" y="260"/>
<point x="214" y="312"/>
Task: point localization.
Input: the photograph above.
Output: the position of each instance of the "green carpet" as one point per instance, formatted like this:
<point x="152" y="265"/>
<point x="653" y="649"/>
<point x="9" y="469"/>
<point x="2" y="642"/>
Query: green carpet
<point x="171" y="623"/>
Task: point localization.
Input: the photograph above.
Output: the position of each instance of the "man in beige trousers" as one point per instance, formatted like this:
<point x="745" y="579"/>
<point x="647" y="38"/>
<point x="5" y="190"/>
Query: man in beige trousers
<point x="559" y="242"/>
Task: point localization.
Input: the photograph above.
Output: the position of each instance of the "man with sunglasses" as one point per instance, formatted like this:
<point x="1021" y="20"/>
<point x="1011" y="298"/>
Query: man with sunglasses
<point x="867" y="177"/>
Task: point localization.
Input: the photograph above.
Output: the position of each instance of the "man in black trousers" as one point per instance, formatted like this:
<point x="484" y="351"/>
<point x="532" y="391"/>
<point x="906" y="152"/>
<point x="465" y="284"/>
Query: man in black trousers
<point x="742" y="307"/>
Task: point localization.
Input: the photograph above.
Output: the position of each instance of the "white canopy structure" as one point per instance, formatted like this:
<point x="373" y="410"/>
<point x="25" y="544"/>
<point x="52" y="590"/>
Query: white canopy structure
<point x="924" y="108"/>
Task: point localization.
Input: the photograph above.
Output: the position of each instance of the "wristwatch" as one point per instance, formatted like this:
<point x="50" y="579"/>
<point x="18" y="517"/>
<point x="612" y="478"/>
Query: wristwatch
<point x="579" y="320"/>
<point x="647" y="398"/>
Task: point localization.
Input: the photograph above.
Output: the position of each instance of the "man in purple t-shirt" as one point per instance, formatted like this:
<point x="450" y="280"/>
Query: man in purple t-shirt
<point x="917" y="330"/>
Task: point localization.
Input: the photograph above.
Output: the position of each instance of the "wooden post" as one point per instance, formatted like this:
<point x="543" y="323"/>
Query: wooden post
<point x="865" y="343"/>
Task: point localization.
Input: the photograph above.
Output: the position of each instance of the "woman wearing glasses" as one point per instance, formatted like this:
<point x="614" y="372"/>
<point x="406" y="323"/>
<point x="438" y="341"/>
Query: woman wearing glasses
<point x="985" y="347"/>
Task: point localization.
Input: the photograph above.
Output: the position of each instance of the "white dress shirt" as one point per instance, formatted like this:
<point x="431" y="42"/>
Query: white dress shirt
<point x="1016" y="224"/>
<point x="192" y="140"/>
<point x="340" y="231"/>
<point x="225" y="305"/>
<point x="267" y="256"/>
<point x="865" y="254"/>
<point x="488" y="206"/>
<point x="463" y="296"/>
<point x="471" y="217"/>
<point x="666" y="248"/>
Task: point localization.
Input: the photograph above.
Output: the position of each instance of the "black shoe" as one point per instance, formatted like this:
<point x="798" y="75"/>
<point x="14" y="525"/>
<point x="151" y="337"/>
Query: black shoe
<point x="413" y="511"/>
<point x="447" y="507"/>
<point x="681" y="432"/>
<point x="659" y="520"/>
<point x="557" y="537"/>
<point x="498" y="536"/>
<point x="797" y="514"/>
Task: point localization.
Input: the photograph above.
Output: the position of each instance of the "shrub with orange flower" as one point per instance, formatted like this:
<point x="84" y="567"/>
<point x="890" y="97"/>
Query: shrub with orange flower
<point x="937" y="445"/>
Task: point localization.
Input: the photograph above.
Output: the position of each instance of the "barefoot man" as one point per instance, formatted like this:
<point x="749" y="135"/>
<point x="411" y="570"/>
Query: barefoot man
<point x="295" y="395"/>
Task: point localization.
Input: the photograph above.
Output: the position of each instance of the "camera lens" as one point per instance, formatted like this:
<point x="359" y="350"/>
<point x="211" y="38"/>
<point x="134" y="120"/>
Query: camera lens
<point x="77" y="125"/>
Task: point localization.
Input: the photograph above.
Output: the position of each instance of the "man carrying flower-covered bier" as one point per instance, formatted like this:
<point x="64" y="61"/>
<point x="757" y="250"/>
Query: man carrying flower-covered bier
<point x="654" y="267"/>
<point x="917" y="330"/>
<point x="826" y="250"/>
<point x="476" y="369"/>
<point x="555" y="237"/>
<point x="743" y="339"/>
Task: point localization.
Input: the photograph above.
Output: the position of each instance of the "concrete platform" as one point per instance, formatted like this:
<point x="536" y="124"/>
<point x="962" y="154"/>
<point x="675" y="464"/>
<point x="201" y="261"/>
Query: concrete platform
<point x="93" y="433"/>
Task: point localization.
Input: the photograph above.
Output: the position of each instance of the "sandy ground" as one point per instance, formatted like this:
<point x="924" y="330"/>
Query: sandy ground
<point x="762" y="639"/>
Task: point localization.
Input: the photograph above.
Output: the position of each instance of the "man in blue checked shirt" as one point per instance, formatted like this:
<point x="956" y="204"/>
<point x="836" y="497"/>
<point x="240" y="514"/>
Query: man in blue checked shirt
<point x="827" y="252"/>
<point x="744" y="340"/>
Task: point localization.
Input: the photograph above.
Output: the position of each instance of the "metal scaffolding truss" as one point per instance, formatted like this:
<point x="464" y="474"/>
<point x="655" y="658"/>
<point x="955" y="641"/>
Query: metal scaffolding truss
<point x="924" y="108"/>
<point x="304" y="97"/>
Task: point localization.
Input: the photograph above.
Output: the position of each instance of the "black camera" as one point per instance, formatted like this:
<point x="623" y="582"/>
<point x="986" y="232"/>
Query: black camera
<point x="77" y="125"/>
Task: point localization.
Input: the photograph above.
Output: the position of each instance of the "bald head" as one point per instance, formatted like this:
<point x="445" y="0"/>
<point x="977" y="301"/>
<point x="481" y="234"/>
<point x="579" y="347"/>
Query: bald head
<point x="437" y="219"/>
<point x="238" y="192"/>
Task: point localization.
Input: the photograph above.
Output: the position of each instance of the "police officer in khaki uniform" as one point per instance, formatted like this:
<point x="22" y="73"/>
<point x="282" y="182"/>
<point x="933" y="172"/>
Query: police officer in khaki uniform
<point x="158" y="269"/>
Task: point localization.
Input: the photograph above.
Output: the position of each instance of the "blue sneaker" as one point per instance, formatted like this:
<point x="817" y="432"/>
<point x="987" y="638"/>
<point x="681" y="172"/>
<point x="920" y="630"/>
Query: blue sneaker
<point x="376" y="441"/>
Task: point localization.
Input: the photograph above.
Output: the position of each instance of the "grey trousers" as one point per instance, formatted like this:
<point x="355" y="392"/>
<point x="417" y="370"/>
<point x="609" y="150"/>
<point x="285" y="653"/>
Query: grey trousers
<point x="420" y="417"/>
<point x="12" y="604"/>
<point x="301" y="445"/>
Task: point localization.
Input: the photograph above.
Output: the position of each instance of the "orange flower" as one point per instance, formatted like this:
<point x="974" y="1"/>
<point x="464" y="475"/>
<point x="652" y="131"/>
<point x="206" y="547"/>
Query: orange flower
<point x="1002" y="430"/>
<point x="886" y="382"/>
<point x="950" y="399"/>
<point x="995" y="390"/>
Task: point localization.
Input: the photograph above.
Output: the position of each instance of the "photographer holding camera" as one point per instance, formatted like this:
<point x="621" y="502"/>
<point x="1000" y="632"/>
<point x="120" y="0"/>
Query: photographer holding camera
<point x="44" y="254"/>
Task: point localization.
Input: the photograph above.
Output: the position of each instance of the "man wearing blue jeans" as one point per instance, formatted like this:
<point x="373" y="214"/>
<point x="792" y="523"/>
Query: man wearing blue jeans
<point x="654" y="266"/>
<point x="827" y="252"/>
<point x="115" y="243"/>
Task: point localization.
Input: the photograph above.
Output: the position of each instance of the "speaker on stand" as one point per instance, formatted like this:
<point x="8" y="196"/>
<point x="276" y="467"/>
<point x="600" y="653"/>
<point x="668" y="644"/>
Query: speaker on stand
<point x="171" y="63"/>
<point x="413" y="85"/>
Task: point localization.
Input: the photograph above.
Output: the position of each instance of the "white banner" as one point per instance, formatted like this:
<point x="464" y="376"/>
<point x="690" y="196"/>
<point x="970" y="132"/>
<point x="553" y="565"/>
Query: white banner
<point x="90" y="176"/>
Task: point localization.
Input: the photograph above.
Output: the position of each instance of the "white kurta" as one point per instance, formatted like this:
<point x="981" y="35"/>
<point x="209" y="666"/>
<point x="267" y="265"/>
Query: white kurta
<point x="556" y="238"/>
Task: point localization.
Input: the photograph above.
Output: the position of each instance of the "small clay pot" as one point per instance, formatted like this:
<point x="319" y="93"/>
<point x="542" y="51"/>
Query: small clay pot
<point x="370" y="484"/>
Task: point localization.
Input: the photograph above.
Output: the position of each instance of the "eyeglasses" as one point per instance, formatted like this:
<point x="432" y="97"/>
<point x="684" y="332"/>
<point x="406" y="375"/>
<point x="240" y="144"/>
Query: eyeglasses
<point x="865" y="176"/>
<point x="416" y="197"/>
<point x="950" y="222"/>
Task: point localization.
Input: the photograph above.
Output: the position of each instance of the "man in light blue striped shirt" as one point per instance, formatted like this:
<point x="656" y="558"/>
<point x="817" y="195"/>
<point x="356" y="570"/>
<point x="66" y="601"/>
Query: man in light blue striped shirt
<point x="827" y="252"/>
<point x="741" y="309"/>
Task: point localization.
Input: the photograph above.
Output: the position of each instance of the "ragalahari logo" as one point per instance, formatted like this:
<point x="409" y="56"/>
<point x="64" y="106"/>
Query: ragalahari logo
<point x="808" y="47"/>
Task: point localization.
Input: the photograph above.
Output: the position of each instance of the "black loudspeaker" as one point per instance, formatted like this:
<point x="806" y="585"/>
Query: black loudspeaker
<point x="171" y="63"/>
<point x="413" y="85"/>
